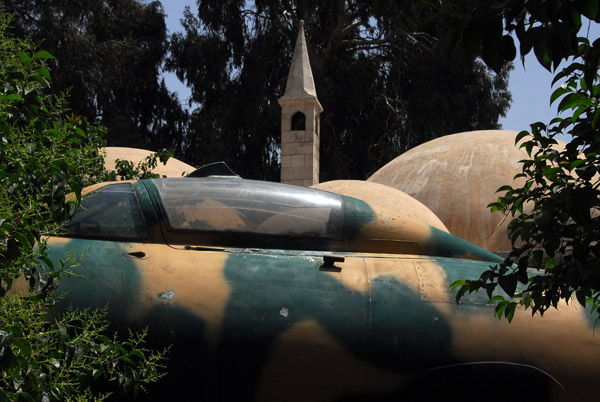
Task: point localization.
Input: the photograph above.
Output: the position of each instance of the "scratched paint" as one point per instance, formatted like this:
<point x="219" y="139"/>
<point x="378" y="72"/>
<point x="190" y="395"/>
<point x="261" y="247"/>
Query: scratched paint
<point x="166" y="295"/>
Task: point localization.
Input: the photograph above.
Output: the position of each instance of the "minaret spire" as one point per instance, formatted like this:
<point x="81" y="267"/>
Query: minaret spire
<point x="300" y="83"/>
<point x="300" y="110"/>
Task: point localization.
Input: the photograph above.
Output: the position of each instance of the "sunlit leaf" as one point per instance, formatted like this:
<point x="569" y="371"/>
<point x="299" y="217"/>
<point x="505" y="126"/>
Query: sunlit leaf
<point x="557" y="93"/>
<point x="43" y="54"/>
<point x="496" y="298"/>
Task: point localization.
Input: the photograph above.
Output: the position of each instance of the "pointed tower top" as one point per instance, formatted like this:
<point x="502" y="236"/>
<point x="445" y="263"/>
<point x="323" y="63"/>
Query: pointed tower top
<point x="300" y="83"/>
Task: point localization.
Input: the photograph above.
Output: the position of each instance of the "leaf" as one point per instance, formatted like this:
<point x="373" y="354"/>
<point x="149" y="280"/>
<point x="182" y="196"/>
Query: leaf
<point x="551" y="172"/>
<point x="5" y="128"/>
<point x="457" y="283"/>
<point x="542" y="47"/>
<point x="500" y="308"/>
<point x="509" y="312"/>
<point x="25" y="59"/>
<point x="584" y="85"/>
<point x="43" y="54"/>
<point x="127" y="360"/>
<point x="508" y="283"/>
<point x="22" y="239"/>
<point x="23" y="345"/>
<point x="520" y="136"/>
<point x="80" y="132"/>
<point x="527" y="300"/>
<point x="496" y="298"/>
<point x="492" y="50"/>
<point x="47" y="261"/>
<point x="549" y="263"/>
<point x="12" y="97"/>
<point x="41" y="80"/>
<point x="569" y="102"/>
<point x="537" y="257"/>
<point x="119" y="348"/>
<point x="595" y="119"/>
<point x="576" y="163"/>
<point x="558" y="92"/>
<point x="504" y="188"/>
<point x="97" y="372"/>
<point x="589" y="8"/>
<point x="526" y="42"/>
<point x="43" y="72"/>
<point x="581" y="297"/>
<point x="508" y="48"/>
<point x="138" y="354"/>
<point x="578" y="112"/>
<point x="574" y="18"/>
<point x="461" y="292"/>
<point x="563" y="40"/>
<point x="56" y="133"/>
<point x="586" y="172"/>
<point x="105" y="340"/>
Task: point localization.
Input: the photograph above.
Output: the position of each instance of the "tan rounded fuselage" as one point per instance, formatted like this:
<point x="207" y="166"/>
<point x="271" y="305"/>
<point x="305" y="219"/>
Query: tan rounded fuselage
<point x="311" y="334"/>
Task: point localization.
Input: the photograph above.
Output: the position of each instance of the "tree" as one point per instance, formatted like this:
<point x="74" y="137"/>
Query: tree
<point x="384" y="84"/>
<point x="109" y="56"/>
<point x="45" y="154"/>
<point x="556" y="225"/>
<point x="235" y="57"/>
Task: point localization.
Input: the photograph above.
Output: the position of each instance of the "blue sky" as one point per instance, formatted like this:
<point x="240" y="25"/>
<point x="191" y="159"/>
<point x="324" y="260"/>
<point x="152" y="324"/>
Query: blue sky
<point x="530" y="85"/>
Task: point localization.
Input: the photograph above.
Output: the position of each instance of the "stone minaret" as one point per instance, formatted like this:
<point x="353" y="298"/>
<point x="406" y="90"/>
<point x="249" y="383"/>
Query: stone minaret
<point x="300" y="110"/>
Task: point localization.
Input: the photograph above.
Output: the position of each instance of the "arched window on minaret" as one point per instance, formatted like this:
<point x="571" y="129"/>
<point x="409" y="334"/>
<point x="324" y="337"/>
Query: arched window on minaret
<point x="300" y="111"/>
<point x="298" y="121"/>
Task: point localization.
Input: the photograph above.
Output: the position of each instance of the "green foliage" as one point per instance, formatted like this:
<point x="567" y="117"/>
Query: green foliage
<point x="235" y="58"/>
<point x="57" y="360"/>
<point x="45" y="154"/>
<point x="548" y="27"/>
<point x="109" y="56"/>
<point x="127" y="170"/>
<point x="555" y="223"/>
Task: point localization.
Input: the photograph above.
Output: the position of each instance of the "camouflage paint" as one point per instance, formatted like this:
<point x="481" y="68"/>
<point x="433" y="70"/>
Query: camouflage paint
<point x="386" y="231"/>
<point x="270" y="325"/>
<point x="560" y="343"/>
<point x="106" y="276"/>
<point x="355" y="215"/>
<point x="445" y="245"/>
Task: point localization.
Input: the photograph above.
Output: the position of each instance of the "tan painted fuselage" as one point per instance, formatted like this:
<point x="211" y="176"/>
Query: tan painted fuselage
<point x="321" y="335"/>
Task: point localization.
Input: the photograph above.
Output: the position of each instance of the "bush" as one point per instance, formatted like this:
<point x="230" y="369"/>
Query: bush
<point x="45" y="154"/>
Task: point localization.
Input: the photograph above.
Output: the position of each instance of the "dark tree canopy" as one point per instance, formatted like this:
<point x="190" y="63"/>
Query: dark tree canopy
<point x="548" y="28"/>
<point x="381" y="74"/>
<point x="383" y="81"/>
<point x="109" y="54"/>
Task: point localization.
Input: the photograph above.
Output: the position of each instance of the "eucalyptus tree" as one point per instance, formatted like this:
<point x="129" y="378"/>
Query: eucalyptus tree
<point x="381" y="75"/>
<point x="109" y="56"/>
<point x="380" y="72"/>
